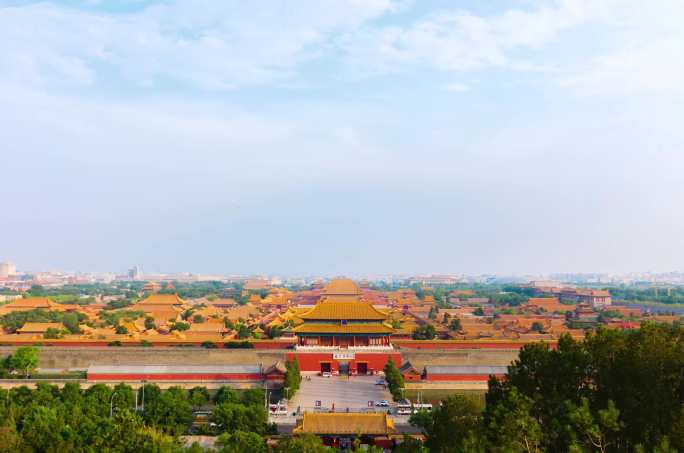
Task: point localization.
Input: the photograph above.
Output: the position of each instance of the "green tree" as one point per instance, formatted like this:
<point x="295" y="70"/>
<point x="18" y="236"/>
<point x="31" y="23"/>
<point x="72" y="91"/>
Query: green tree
<point x="394" y="379"/>
<point x="41" y="430"/>
<point x="424" y="332"/>
<point x="410" y="445"/>
<point x="592" y="432"/>
<point x="241" y="442"/>
<point x="51" y="333"/>
<point x="252" y="397"/>
<point x="238" y="417"/>
<point x="455" y="325"/>
<point x="149" y="323"/>
<point x="307" y="443"/>
<point x="242" y="331"/>
<point x="226" y="394"/>
<point x="293" y="377"/>
<point x="25" y="360"/>
<point x="180" y="326"/>
<point x="169" y="411"/>
<point x="453" y="426"/>
<point x="198" y="318"/>
<point x="199" y="396"/>
<point x="10" y="440"/>
<point x="71" y="322"/>
<point x="511" y="426"/>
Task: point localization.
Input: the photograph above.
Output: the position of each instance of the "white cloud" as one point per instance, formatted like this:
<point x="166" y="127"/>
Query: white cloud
<point x="462" y="41"/>
<point x="611" y="47"/>
<point x="213" y="45"/>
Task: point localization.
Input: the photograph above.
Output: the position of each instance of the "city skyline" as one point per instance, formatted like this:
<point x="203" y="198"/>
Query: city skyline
<point x="342" y="138"/>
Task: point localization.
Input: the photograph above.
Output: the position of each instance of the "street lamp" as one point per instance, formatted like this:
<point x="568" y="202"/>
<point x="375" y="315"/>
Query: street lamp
<point x="111" y="404"/>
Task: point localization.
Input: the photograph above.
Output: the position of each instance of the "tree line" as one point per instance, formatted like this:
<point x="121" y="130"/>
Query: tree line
<point x="104" y="419"/>
<point x="616" y="391"/>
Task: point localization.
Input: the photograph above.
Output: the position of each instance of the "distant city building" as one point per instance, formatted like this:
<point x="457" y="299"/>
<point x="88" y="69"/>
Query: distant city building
<point x="7" y="269"/>
<point x="435" y="280"/>
<point x="135" y="273"/>
<point x="255" y="284"/>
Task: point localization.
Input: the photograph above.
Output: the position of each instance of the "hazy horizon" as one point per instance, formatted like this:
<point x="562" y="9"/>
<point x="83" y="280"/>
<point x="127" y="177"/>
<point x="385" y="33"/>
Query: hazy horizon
<point x="342" y="137"/>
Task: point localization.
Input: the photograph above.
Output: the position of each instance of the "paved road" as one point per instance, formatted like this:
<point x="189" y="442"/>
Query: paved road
<point x="345" y="392"/>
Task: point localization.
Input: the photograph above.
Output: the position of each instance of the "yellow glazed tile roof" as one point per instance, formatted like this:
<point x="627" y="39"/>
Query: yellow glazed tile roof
<point x="338" y="328"/>
<point x="40" y="327"/>
<point x="333" y="310"/>
<point x="162" y="299"/>
<point x="345" y="423"/>
<point x="31" y="302"/>
<point x="342" y="286"/>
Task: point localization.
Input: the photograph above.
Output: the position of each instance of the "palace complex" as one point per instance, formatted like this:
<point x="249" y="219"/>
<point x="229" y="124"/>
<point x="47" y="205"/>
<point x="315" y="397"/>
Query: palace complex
<point x="339" y="327"/>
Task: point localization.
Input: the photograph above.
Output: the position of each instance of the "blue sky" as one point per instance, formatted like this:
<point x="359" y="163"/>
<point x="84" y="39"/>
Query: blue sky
<point x="342" y="137"/>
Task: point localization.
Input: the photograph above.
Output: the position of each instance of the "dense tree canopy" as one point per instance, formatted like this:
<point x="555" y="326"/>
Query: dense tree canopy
<point x="617" y="391"/>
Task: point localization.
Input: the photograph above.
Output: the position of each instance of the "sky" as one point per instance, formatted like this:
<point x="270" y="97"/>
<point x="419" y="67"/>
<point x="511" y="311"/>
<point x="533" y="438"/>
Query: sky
<point x="342" y="137"/>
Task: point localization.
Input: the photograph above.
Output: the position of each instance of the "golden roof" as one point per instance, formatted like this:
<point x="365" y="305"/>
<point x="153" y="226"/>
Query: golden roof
<point x="162" y="299"/>
<point x="345" y="423"/>
<point x="31" y="302"/>
<point x="336" y="309"/>
<point x="40" y="327"/>
<point x="341" y="287"/>
<point x="208" y="327"/>
<point x="241" y="312"/>
<point x="347" y="328"/>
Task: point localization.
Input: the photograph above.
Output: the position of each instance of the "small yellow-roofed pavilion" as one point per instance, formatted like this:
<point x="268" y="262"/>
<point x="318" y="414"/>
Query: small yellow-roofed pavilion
<point x="376" y="424"/>
<point x="162" y="299"/>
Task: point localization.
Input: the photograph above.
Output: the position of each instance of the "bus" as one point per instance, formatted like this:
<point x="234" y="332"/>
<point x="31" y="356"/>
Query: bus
<point x="404" y="407"/>
<point x="422" y="407"/>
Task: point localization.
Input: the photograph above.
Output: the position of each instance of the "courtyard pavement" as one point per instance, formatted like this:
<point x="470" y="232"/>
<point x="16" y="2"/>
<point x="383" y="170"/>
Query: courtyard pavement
<point x="344" y="392"/>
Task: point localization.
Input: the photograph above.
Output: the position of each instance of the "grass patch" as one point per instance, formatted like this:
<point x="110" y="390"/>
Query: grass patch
<point x="434" y="396"/>
<point x="67" y="375"/>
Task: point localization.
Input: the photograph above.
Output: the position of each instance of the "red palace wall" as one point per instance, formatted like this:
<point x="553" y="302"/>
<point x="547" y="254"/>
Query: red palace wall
<point x="175" y="377"/>
<point x="459" y="377"/>
<point x="311" y="361"/>
<point x="427" y="344"/>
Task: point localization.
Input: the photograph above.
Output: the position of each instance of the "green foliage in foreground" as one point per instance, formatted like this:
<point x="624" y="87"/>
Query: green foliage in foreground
<point x="394" y="379"/>
<point x="293" y="377"/>
<point x="49" y="419"/>
<point x="23" y="361"/>
<point x="617" y="391"/>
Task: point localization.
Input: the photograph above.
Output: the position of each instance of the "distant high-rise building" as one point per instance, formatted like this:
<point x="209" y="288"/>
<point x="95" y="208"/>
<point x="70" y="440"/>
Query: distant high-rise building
<point x="135" y="273"/>
<point x="7" y="269"/>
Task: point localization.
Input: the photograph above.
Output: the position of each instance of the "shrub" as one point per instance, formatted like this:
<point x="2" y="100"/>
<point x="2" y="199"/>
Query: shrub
<point x="426" y="332"/>
<point x="238" y="345"/>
